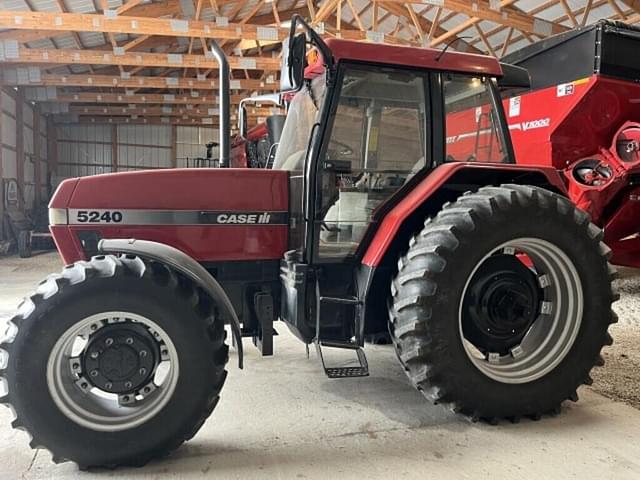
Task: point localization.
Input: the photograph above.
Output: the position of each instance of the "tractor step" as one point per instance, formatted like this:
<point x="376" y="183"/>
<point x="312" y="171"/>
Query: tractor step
<point x="362" y="370"/>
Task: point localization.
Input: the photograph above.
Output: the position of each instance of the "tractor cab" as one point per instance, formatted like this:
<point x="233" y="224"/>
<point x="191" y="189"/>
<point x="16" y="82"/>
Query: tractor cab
<point x="364" y="127"/>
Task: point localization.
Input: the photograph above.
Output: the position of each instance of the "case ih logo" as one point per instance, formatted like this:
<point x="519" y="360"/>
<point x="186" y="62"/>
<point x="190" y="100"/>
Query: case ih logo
<point x="243" y="218"/>
<point x="524" y="126"/>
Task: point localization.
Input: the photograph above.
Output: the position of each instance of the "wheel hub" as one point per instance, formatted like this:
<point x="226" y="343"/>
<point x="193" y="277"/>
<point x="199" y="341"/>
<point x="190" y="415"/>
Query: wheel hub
<point x="120" y="358"/>
<point x="501" y="304"/>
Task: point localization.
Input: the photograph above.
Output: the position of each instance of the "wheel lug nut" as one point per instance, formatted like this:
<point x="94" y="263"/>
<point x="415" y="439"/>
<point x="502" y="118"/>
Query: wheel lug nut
<point x="129" y="341"/>
<point x="143" y="353"/>
<point x="94" y="373"/>
<point x="128" y="385"/>
<point x="94" y="355"/>
<point x="108" y="342"/>
<point x="108" y="385"/>
<point x="94" y="327"/>
<point x="143" y="371"/>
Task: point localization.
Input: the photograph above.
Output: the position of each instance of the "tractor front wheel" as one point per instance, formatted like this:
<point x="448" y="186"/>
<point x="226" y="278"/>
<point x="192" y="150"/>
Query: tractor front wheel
<point x="502" y="303"/>
<point x="113" y="362"/>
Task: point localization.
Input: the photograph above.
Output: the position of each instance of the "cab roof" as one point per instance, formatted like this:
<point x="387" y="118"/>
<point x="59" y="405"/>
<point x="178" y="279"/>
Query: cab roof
<point x="394" y="55"/>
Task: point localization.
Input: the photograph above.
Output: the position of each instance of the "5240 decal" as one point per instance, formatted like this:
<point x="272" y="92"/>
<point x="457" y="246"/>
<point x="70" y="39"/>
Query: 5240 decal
<point x="98" y="216"/>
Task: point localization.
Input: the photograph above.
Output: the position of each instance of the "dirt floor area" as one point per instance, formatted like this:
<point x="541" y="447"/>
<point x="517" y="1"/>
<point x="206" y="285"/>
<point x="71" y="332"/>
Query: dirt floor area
<point x="619" y="379"/>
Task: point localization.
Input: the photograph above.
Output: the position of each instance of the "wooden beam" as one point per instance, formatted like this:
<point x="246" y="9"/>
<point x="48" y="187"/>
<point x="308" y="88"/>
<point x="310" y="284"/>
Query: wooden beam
<point x="509" y="17"/>
<point x="617" y="9"/>
<point x="506" y="15"/>
<point x="544" y="6"/>
<point x="52" y="147"/>
<point x="632" y="4"/>
<point x="356" y="16"/>
<point x="77" y="22"/>
<point x="157" y="111"/>
<point x="136" y="42"/>
<point x="434" y="24"/>
<point x="125" y="7"/>
<point x="485" y="40"/>
<point x="507" y="42"/>
<point x="587" y="11"/>
<point x="80" y="22"/>
<point x="117" y="81"/>
<point x="416" y="22"/>
<point x="144" y="59"/>
<point x="206" y="122"/>
<point x="150" y="98"/>
<point x="20" y="158"/>
<point x="400" y="12"/>
<point x="37" y="156"/>
<point x="114" y="148"/>
<point x="569" y="12"/>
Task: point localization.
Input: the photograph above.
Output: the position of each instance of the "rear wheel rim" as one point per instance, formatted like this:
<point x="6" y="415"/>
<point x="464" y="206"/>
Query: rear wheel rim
<point x="551" y="336"/>
<point x="74" y="389"/>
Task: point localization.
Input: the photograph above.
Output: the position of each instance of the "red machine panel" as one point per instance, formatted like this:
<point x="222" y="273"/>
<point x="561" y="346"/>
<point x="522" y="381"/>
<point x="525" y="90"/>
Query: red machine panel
<point x="210" y="214"/>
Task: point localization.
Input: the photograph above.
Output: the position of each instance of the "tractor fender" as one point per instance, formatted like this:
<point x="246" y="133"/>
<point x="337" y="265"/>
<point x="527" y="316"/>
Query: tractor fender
<point x="184" y="264"/>
<point x="480" y="174"/>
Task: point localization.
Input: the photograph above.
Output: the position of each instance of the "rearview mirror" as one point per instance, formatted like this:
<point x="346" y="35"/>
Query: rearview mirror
<point x="293" y="62"/>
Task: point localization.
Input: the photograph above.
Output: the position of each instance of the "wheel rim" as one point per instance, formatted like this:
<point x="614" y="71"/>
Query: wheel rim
<point x="112" y="371"/>
<point x="551" y="334"/>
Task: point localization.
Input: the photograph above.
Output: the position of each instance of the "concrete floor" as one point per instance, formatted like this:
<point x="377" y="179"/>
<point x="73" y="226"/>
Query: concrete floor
<point x="282" y="418"/>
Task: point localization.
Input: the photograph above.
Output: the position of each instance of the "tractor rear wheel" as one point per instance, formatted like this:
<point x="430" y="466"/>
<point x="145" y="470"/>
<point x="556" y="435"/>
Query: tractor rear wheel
<point x="113" y="362"/>
<point x="502" y="302"/>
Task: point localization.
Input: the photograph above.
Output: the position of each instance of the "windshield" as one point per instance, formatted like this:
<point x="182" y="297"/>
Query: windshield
<point x="301" y="116"/>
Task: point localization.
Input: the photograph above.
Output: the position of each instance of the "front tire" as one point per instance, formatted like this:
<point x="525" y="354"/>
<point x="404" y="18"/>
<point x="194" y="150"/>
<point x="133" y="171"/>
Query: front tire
<point x="501" y="304"/>
<point x="114" y="362"/>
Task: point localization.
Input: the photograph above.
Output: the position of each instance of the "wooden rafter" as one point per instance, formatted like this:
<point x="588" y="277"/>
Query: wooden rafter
<point x="148" y="98"/>
<point x="156" y="111"/>
<point x="116" y="81"/>
<point x="89" y="57"/>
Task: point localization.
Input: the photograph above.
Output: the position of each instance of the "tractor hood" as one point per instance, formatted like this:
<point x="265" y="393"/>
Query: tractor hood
<point x="210" y="214"/>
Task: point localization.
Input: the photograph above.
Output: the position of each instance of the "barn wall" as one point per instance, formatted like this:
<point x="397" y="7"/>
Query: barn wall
<point x="91" y="149"/>
<point x="191" y="144"/>
<point x="23" y="152"/>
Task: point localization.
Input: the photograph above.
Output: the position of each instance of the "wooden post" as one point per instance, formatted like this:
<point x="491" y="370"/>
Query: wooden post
<point x="37" y="167"/>
<point x="174" y="146"/>
<point x="52" y="147"/>
<point x="20" y="147"/>
<point x="114" y="147"/>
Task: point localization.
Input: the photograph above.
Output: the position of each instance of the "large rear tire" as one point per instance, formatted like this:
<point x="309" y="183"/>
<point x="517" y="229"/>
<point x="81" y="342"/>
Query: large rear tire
<point x="113" y="362"/>
<point x="502" y="302"/>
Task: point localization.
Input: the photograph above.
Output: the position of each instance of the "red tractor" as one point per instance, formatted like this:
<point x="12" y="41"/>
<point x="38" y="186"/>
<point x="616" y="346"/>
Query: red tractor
<point x="256" y="147"/>
<point x="494" y="287"/>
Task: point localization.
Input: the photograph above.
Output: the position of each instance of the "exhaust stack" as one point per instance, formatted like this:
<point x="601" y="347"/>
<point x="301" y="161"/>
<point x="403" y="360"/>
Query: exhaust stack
<point x="225" y="100"/>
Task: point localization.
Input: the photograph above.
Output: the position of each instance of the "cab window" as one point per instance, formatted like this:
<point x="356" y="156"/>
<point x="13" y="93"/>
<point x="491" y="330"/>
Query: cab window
<point x="471" y="121"/>
<point x="376" y="144"/>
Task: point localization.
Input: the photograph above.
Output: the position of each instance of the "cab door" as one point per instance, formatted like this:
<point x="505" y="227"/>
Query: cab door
<point x="375" y="141"/>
